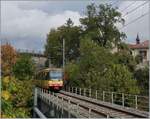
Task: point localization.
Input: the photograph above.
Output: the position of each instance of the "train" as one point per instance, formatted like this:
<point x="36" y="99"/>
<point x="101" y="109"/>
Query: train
<point x="50" y="78"/>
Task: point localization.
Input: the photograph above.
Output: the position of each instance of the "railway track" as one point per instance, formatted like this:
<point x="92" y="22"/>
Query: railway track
<point x="97" y="109"/>
<point x="86" y="107"/>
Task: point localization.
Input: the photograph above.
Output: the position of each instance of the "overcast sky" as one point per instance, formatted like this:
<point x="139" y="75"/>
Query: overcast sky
<point x="25" y="23"/>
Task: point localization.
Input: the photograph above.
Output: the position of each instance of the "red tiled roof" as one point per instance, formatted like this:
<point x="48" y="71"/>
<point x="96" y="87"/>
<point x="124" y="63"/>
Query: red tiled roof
<point x="144" y="44"/>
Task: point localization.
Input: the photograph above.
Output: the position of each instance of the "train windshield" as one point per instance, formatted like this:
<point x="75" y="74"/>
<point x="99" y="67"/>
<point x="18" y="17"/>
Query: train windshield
<point x="55" y="75"/>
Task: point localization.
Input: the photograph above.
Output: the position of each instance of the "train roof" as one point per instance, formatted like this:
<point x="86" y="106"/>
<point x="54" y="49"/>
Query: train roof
<point x="50" y="69"/>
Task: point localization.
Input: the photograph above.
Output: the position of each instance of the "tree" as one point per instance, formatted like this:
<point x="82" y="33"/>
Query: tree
<point x="125" y="57"/>
<point x="142" y="77"/>
<point x="97" y="69"/>
<point x="54" y="42"/>
<point x="100" y="25"/>
<point x="24" y="67"/>
<point x="121" y="80"/>
<point x="8" y="58"/>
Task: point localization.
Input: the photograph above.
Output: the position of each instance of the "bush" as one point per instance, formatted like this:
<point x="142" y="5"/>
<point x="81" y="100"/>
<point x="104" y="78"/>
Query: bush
<point x="16" y="97"/>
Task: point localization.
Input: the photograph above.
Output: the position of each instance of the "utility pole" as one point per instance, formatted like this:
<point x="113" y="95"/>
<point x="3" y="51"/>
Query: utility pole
<point x="63" y="53"/>
<point x="49" y="61"/>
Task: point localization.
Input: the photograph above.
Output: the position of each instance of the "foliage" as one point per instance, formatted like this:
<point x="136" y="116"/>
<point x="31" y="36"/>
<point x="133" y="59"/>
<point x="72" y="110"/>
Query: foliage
<point x="8" y="58"/>
<point x="142" y="77"/>
<point x="97" y="69"/>
<point x="138" y="59"/>
<point x="24" y="67"/>
<point x="100" y="24"/>
<point x="125" y="58"/>
<point x="16" y="96"/>
<point x="73" y="74"/>
<point x="121" y="79"/>
<point x="53" y="47"/>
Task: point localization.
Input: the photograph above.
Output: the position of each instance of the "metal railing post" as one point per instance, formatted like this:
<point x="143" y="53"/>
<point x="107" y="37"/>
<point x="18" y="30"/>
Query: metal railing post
<point x="89" y="112"/>
<point x="77" y="108"/>
<point x="96" y="94"/>
<point x="136" y="103"/>
<point x="62" y="104"/>
<point x="112" y="97"/>
<point x="107" y="116"/>
<point x="89" y="92"/>
<point x="57" y="102"/>
<point x="103" y="95"/>
<point x="76" y="90"/>
<point x="72" y="89"/>
<point x="80" y="91"/>
<point x="123" y="99"/>
<point x="69" y="89"/>
<point x="35" y="97"/>
<point x="69" y="104"/>
<point x="42" y="93"/>
<point x="84" y="92"/>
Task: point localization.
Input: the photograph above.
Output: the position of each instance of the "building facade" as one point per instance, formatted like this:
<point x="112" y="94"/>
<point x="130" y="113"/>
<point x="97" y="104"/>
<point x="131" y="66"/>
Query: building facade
<point x="140" y="49"/>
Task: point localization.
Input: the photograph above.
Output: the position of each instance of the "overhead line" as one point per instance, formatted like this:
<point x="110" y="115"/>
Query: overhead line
<point x="135" y="20"/>
<point x="128" y="6"/>
<point x="135" y="8"/>
<point x="115" y="2"/>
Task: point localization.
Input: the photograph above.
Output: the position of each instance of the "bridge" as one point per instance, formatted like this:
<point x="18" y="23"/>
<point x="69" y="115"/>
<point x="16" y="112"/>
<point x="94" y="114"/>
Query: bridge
<point x="38" y="57"/>
<point x="31" y="52"/>
<point x="74" y="102"/>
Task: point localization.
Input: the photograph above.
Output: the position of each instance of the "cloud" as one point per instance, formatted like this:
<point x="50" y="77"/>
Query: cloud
<point x="140" y="26"/>
<point x="26" y="23"/>
<point x="33" y="24"/>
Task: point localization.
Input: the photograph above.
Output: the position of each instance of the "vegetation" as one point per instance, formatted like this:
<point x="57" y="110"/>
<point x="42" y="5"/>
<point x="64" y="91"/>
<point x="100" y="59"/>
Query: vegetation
<point x="16" y="98"/>
<point x="142" y="77"/>
<point x="8" y="58"/>
<point x="97" y="69"/>
<point x="17" y="94"/>
<point x="89" y="59"/>
<point x="54" y="43"/>
<point x="24" y="67"/>
<point x="100" y="25"/>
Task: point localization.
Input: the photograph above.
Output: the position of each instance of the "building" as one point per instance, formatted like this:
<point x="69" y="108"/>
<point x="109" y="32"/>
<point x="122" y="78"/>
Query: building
<point x="140" y="49"/>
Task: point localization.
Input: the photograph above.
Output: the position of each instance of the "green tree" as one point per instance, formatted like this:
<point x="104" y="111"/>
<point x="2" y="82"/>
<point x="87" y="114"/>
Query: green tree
<point x="24" y="67"/>
<point x="97" y="69"/>
<point x="125" y="57"/>
<point x="54" y="42"/>
<point x="142" y="77"/>
<point x="121" y="80"/>
<point x="100" y="25"/>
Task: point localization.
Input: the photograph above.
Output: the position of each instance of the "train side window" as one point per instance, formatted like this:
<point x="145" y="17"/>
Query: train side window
<point x="40" y="76"/>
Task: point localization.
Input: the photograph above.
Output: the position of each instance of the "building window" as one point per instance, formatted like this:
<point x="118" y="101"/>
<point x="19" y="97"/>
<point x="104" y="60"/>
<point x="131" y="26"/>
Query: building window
<point x="143" y="54"/>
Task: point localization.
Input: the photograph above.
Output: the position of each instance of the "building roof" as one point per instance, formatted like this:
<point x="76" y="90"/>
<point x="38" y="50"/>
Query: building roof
<point x="141" y="45"/>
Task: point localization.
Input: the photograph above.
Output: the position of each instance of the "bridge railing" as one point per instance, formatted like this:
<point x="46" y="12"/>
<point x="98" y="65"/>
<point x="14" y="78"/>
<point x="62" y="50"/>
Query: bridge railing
<point x="125" y="100"/>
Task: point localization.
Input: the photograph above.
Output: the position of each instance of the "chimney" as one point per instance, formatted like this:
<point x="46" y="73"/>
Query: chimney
<point x="137" y="39"/>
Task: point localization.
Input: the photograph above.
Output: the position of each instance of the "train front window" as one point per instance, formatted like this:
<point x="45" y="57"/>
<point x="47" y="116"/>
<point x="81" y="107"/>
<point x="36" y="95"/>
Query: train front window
<point x="55" y="75"/>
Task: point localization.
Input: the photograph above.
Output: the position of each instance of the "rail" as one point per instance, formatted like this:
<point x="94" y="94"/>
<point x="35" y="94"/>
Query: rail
<point x="126" y="100"/>
<point x="82" y="106"/>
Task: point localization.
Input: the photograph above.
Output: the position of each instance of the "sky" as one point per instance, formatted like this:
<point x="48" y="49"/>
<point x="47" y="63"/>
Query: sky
<point x="25" y="24"/>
